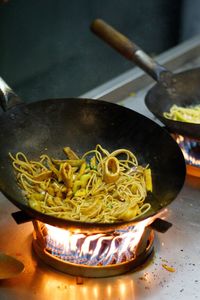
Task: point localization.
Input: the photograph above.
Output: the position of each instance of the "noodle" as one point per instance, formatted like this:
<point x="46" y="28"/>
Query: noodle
<point x="98" y="187"/>
<point x="184" y="114"/>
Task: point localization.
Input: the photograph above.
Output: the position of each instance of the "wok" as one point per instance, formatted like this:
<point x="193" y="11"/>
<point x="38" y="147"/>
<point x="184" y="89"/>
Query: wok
<point x="49" y="125"/>
<point x="181" y="89"/>
<point x="9" y="266"/>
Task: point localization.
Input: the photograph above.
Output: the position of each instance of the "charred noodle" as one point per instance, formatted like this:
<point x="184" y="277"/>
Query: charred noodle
<point x="98" y="187"/>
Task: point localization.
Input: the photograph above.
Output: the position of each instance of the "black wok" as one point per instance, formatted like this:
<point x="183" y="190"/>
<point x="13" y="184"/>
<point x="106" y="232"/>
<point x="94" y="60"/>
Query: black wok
<point x="49" y="125"/>
<point x="182" y="89"/>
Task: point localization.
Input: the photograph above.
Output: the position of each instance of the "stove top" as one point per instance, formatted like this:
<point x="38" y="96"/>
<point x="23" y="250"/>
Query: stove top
<point x="177" y="250"/>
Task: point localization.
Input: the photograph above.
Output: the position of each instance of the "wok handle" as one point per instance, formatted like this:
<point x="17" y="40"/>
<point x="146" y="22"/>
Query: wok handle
<point x="158" y="224"/>
<point x="129" y="50"/>
<point x="8" y="98"/>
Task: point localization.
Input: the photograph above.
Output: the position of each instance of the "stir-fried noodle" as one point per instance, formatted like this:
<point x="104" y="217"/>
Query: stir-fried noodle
<point x="184" y="114"/>
<point x="98" y="187"/>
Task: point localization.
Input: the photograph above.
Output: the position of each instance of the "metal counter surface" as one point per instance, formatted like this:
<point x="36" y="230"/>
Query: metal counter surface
<point x="178" y="248"/>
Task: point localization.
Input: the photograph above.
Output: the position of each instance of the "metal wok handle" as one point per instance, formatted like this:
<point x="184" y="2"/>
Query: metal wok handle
<point x="130" y="50"/>
<point x="8" y="98"/>
<point x="158" y="224"/>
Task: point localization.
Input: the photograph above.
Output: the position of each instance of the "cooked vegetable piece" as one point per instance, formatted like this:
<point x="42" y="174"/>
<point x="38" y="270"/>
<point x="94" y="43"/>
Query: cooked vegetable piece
<point x="70" y="153"/>
<point x="148" y="179"/>
<point x="67" y="174"/>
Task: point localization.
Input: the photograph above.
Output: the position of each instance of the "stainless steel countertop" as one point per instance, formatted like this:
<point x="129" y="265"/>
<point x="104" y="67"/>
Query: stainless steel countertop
<point x="179" y="248"/>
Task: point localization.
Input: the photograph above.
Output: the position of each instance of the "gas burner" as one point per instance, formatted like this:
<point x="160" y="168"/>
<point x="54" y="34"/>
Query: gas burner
<point x="93" y="255"/>
<point x="191" y="151"/>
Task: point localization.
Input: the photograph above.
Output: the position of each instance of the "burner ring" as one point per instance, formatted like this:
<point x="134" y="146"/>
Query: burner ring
<point x="145" y="251"/>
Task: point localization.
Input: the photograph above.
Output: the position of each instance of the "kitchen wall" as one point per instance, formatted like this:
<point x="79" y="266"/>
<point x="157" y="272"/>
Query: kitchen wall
<point x="48" y="51"/>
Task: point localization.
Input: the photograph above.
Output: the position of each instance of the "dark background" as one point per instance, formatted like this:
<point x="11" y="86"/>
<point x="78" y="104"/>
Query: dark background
<point x="48" y="51"/>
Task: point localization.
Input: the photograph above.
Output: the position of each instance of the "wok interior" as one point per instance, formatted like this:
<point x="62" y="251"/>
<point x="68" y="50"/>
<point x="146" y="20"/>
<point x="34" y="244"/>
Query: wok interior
<point x="184" y="91"/>
<point x="48" y="126"/>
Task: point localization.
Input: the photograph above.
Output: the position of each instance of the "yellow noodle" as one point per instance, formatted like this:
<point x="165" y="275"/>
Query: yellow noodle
<point x="88" y="198"/>
<point x="190" y="114"/>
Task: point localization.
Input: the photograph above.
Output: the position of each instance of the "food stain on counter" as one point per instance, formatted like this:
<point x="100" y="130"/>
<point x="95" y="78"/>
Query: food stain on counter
<point x="168" y="268"/>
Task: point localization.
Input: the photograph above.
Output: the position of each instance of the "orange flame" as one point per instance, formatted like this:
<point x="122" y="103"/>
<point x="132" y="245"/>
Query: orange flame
<point x="95" y="249"/>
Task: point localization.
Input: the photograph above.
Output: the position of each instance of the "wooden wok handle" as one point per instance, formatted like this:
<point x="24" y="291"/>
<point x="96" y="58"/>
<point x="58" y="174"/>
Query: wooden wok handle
<point x="128" y="49"/>
<point x="8" y="98"/>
